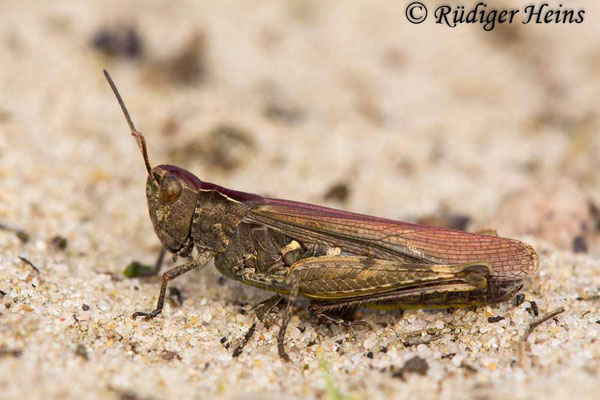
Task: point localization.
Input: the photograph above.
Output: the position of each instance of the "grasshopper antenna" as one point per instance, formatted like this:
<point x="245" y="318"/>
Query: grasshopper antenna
<point x="139" y="137"/>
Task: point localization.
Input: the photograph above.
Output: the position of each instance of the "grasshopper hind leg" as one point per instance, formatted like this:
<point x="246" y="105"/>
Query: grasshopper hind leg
<point x="261" y="311"/>
<point x="443" y="295"/>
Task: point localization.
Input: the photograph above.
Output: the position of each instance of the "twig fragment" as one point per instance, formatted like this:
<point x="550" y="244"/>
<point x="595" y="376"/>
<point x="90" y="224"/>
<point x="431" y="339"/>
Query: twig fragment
<point x="537" y="322"/>
<point x="238" y="350"/>
<point x="27" y="262"/>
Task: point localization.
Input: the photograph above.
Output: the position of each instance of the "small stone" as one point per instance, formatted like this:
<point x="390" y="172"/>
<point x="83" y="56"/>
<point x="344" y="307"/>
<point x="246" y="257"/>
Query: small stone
<point x="519" y="299"/>
<point x="370" y="343"/>
<point x="84" y="317"/>
<point x="580" y="244"/>
<point x="416" y="365"/>
<point x="169" y="355"/>
<point x="207" y="316"/>
<point x="421" y="348"/>
<point x="338" y="192"/>
<point x="81" y="351"/>
<point x="85" y="307"/>
<point x="23" y="236"/>
<point x="122" y="41"/>
<point x="533" y="309"/>
<point x="58" y="242"/>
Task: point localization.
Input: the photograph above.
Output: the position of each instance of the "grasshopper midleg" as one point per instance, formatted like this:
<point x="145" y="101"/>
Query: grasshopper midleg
<point x="335" y="258"/>
<point x="263" y="308"/>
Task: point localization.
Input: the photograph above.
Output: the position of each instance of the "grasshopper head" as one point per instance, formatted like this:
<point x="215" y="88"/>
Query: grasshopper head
<point x="172" y="194"/>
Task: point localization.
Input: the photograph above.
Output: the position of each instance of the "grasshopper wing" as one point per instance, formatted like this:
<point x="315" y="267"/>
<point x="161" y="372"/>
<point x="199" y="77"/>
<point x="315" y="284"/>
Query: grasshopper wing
<point x="340" y="277"/>
<point x="387" y="239"/>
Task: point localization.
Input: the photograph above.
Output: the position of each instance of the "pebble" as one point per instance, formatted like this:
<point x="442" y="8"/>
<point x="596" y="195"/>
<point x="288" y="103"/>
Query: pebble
<point x="370" y="343"/>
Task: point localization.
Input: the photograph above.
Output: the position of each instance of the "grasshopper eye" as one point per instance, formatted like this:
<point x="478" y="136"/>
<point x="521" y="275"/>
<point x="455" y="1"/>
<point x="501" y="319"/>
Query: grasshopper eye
<point x="170" y="189"/>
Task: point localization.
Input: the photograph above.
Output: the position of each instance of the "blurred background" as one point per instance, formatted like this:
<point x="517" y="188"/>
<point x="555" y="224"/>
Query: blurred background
<point x="347" y="105"/>
<point x="342" y="104"/>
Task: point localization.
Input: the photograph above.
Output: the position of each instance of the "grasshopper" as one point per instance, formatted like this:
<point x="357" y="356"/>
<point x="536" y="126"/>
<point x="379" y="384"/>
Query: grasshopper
<point x="335" y="258"/>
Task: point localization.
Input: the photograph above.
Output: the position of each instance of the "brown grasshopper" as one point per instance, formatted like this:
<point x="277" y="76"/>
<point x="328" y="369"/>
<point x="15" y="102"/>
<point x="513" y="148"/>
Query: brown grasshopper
<point x="337" y="259"/>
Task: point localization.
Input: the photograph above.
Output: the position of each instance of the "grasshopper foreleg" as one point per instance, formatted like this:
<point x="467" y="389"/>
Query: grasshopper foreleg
<point x="169" y="275"/>
<point x="159" y="261"/>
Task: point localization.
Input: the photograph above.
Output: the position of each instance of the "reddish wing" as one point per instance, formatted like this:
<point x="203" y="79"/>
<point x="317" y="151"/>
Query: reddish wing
<point x="394" y="240"/>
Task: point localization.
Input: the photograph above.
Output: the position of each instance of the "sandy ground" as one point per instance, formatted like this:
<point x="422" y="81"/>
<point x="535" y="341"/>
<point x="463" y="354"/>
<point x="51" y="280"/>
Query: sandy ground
<point x="347" y="106"/>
